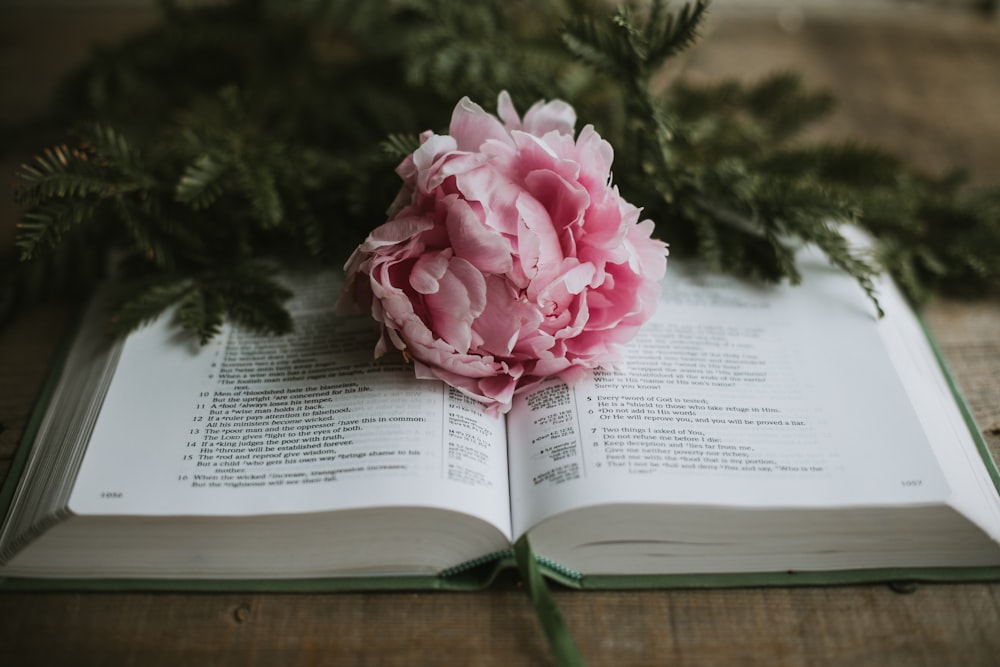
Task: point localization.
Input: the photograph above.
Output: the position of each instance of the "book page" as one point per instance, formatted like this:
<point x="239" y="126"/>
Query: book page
<point x="732" y="395"/>
<point x="252" y="424"/>
<point x="974" y="493"/>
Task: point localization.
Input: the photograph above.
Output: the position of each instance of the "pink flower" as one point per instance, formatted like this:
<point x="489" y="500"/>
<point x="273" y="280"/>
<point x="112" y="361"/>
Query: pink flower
<point x="508" y="256"/>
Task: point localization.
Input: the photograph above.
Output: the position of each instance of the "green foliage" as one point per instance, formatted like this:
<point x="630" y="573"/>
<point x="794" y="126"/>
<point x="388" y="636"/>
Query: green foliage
<point x="630" y="45"/>
<point x="706" y="174"/>
<point x="246" y="292"/>
<point x="233" y="140"/>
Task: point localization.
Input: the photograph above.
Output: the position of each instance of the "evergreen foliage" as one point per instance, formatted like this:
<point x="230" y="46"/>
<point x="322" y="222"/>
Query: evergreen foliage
<point x="234" y="140"/>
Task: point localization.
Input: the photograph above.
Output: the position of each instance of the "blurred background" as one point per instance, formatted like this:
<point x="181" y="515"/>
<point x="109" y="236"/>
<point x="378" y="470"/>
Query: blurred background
<point x="918" y="77"/>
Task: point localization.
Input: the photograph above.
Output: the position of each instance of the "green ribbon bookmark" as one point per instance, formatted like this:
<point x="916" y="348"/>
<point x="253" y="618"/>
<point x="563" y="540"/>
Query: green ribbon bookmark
<point x="560" y="640"/>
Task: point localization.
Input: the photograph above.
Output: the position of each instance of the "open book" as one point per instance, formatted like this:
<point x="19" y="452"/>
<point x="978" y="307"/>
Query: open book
<point x="750" y="430"/>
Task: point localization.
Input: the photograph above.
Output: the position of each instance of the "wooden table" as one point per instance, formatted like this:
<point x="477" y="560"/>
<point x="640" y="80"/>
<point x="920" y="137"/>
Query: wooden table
<point x="925" y="84"/>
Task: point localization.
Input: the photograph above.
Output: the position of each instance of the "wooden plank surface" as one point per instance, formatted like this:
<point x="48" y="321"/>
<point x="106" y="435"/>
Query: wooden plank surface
<point x="925" y="85"/>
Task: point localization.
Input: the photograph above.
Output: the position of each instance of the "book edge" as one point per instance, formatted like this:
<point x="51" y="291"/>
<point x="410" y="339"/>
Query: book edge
<point x="57" y="366"/>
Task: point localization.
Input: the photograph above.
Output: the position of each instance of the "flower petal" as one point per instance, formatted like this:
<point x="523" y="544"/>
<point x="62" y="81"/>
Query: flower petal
<point x="471" y="126"/>
<point x="486" y="249"/>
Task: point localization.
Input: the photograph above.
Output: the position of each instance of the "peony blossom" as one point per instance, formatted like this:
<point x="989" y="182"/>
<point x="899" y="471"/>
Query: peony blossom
<point x="508" y="256"/>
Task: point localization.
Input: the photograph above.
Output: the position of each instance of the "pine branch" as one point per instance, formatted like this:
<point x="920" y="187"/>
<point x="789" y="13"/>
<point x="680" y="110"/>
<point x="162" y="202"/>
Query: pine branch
<point x="145" y="300"/>
<point x="632" y="46"/>
<point x="46" y="225"/>
<point x="202" y="312"/>
<point x="930" y="232"/>
<point x="254" y="298"/>
<point x="59" y="172"/>
<point x="667" y="35"/>
<point x="107" y="144"/>
<point x="202" y="182"/>
<point x="591" y="42"/>
<point x="151" y="237"/>
<point x="246" y="293"/>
